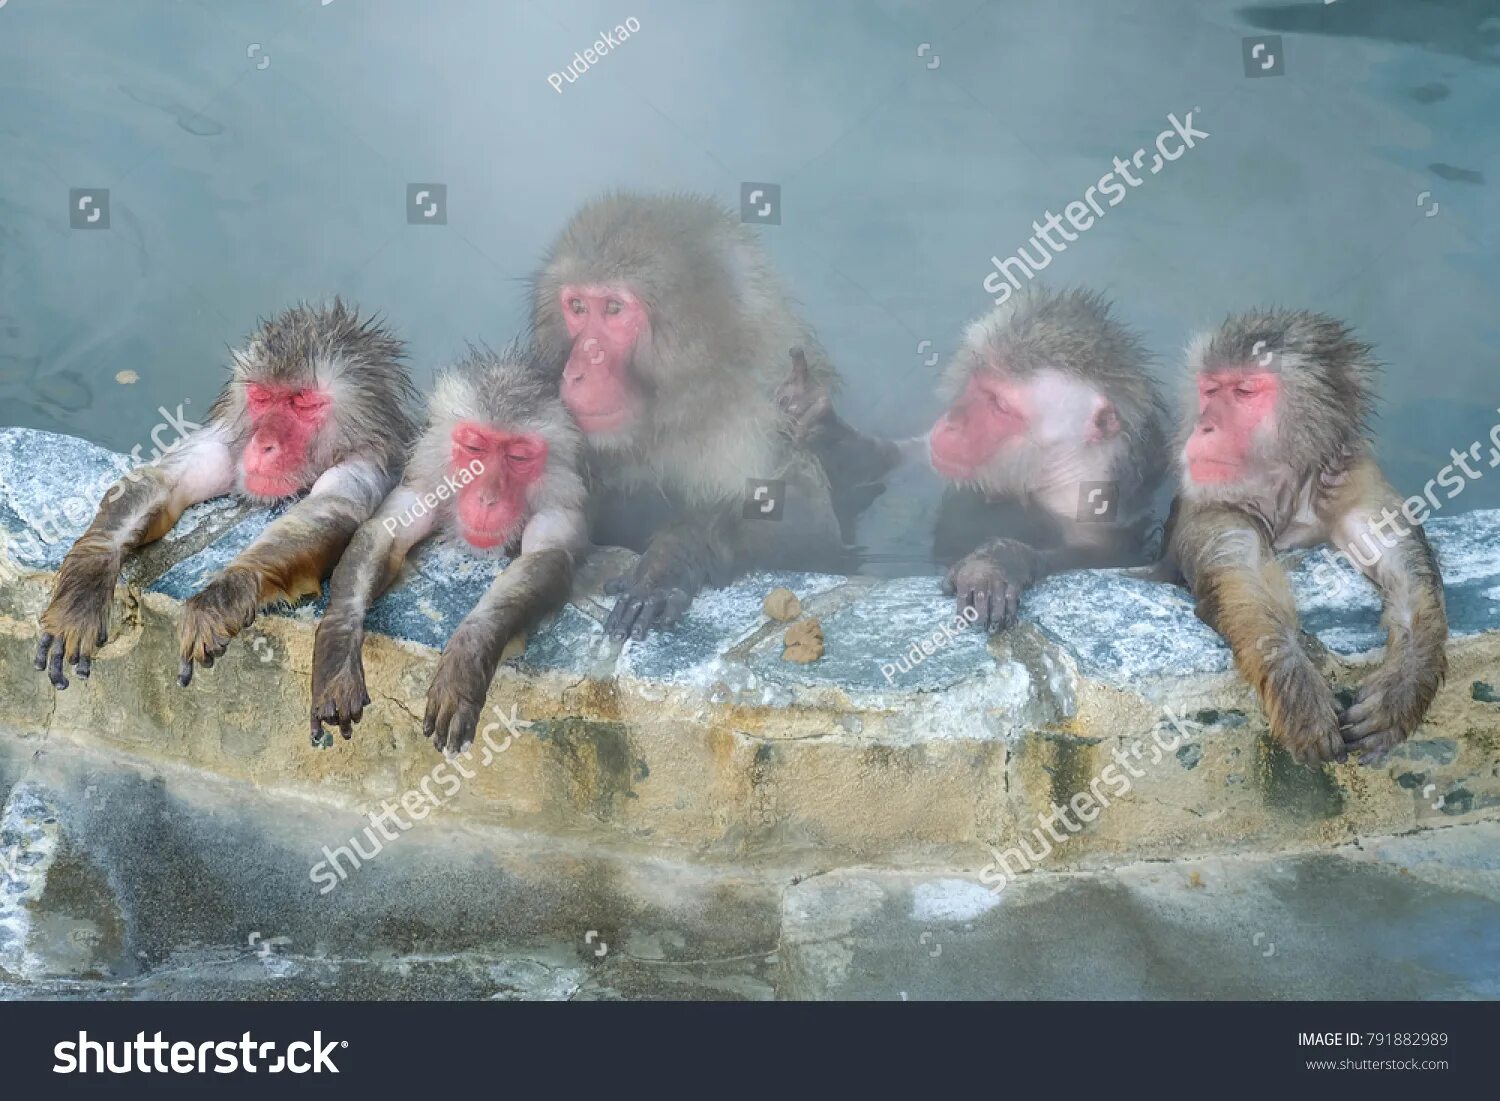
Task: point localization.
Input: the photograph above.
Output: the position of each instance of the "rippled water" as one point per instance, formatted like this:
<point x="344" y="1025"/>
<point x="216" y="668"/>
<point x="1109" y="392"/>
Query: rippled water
<point x="259" y="152"/>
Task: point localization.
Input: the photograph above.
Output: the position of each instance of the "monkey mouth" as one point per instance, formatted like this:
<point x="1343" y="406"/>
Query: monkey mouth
<point x="270" y="485"/>
<point x="950" y="468"/>
<point x="599" y="423"/>
<point x="484" y="540"/>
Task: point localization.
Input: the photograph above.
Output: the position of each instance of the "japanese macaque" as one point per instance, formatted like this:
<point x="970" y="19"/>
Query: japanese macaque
<point x="670" y="332"/>
<point x="1053" y="443"/>
<point x="496" y="470"/>
<point x="318" y="400"/>
<point x="1278" y="457"/>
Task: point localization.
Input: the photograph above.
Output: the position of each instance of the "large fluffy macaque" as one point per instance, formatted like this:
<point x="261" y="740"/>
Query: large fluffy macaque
<point x="1053" y="444"/>
<point x="318" y="401"/>
<point x="1278" y="457"/>
<point x="670" y="333"/>
<point x="497" y="471"/>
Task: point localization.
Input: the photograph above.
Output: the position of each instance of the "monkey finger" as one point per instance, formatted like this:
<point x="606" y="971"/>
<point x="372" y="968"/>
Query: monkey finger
<point x="651" y="608"/>
<point x="345" y="728"/>
<point x="185" y="673"/>
<point x="461" y="733"/>
<point x="800" y="375"/>
<point x="207" y="660"/>
<point x="55" y="670"/>
<point x="622" y="617"/>
<point x="84" y="667"/>
<point x="43" y="645"/>
<point x="677" y="602"/>
<point x="1012" y="604"/>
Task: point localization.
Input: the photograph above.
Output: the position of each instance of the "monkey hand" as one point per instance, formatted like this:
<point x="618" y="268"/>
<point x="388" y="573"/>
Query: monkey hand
<point x="1302" y="712"/>
<point x="656" y="593"/>
<point x="1386" y="710"/>
<point x="455" y="699"/>
<point x="339" y="696"/>
<point x="991" y="581"/>
<point x="806" y="407"/>
<point x="76" y="622"/>
<point x="212" y="617"/>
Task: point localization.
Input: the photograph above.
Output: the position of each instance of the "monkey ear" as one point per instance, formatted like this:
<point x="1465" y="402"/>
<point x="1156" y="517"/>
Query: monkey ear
<point x="1104" y="422"/>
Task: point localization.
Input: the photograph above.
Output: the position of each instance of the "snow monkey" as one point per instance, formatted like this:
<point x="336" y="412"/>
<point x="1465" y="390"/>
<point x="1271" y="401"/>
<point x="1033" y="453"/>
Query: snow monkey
<point x="497" y="470"/>
<point x="670" y="332"/>
<point x="1277" y="457"/>
<point x="317" y="400"/>
<point x="1053" y="443"/>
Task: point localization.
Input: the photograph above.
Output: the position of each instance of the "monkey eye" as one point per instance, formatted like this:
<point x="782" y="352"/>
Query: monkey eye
<point x="307" y="401"/>
<point x="576" y="305"/>
<point x="613" y="306"/>
<point x="1245" y="391"/>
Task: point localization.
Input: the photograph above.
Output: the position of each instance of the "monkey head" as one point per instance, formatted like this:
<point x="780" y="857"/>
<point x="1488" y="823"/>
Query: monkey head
<point x="311" y="387"/>
<point x="1280" y="396"/>
<point x="652" y="306"/>
<point x="499" y="445"/>
<point x="1048" y="385"/>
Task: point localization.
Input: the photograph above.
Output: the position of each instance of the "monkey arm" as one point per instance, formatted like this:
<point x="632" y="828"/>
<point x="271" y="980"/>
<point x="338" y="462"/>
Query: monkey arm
<point x="534" y="584"/>
<point x="140" y="508"/>
<point x="374" y="559"/>
<point x="287" y="562"/>
<point x="1243" y="594"/>
<point x="1400" y="562"/>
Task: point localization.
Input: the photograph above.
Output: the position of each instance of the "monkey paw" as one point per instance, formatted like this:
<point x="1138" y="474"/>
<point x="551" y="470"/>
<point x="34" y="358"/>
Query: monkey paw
<point x="211" y="619"/>
<point x="1384" y="714"/>
<point x="1304" y="718"/>
<point x="339" y="696"/>
<point x="76" y="623"/>
<point x="455" y="699"/>
<point x="642" y="605"/>
<point x="990" y="581"/>
<point x="805" y="406"/>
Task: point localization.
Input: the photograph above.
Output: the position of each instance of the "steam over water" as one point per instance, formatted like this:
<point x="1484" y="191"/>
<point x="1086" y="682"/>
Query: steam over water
<point x="260" y="151"/>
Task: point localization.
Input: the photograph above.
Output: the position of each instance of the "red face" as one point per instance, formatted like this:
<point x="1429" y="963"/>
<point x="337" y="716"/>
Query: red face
<point x="991" y="413"/>
<point x="503" y="466"/>
<point x="1233" y="404"/>
<point x="284" y="420"/>
<point x="597" y="386"/>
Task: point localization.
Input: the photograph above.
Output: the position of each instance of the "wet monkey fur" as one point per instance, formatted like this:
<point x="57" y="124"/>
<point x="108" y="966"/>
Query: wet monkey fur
<point x="1277" y="456"/>
<point x="317" y="401"/>
<point x="668" y="332"/>
<point x="496" y="470"/>
<point x="1053" y="445"/>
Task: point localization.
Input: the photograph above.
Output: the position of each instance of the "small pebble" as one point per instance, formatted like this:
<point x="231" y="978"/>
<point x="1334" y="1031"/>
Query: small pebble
<point x="803" y="641"/>
<point x="782" y="605"/>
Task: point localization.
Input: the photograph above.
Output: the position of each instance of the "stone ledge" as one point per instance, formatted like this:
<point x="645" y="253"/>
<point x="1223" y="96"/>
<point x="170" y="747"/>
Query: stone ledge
<point x="703" y="741"/>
